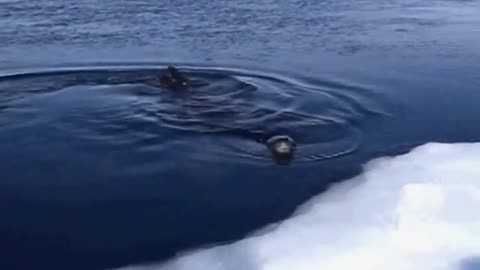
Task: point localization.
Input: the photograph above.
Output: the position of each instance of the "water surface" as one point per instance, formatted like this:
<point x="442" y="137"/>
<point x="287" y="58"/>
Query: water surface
<point x="100" y="169"/>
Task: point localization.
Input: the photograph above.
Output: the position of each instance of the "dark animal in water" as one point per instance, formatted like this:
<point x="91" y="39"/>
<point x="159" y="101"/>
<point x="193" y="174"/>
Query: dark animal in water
<point x="282" y="148"/>
<point x="174" y="79"/>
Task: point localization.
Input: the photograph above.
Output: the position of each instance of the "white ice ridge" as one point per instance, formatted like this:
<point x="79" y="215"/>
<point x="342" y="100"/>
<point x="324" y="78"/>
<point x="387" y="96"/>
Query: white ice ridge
<point x="418" y="211"/>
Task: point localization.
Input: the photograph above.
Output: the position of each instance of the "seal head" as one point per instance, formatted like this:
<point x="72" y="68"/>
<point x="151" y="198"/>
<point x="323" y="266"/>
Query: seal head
<point x="174" y="78"/>
<point x="282" y="148"/>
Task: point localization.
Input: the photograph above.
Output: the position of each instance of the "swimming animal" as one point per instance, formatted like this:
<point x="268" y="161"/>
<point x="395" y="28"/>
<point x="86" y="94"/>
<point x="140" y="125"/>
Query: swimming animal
<point x="282" y="148"/>
<point x="174" y="79"/>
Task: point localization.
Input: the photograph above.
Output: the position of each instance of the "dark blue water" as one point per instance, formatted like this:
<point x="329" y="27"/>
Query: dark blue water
<point x="99" y="169"/>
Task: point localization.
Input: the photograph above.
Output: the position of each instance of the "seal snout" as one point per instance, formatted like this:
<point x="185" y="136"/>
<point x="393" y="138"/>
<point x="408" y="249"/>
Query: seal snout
<point x="283" y="148"/>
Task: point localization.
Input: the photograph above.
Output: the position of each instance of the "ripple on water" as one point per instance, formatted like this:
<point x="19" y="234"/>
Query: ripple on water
<point x="225" y="115"/>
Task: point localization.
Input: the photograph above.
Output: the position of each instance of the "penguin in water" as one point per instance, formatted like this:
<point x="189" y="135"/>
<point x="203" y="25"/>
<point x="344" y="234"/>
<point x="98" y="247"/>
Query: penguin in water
<point x="282" y="148"/>
<point x="174" y="79"/>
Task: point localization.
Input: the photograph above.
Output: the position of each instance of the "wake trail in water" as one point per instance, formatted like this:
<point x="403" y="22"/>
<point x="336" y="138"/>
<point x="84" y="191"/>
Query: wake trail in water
<point x="415" y="211"/>
<point x="106" y="104"/>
